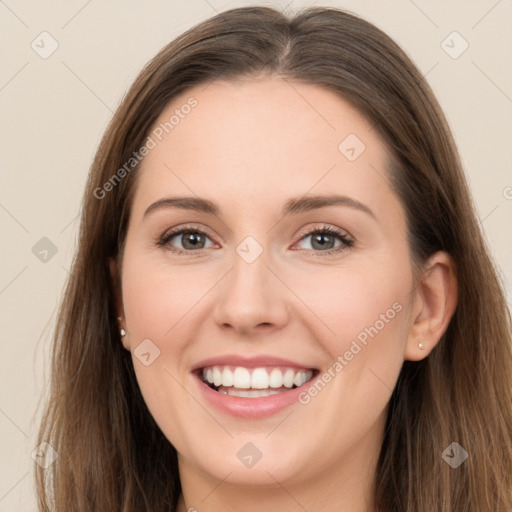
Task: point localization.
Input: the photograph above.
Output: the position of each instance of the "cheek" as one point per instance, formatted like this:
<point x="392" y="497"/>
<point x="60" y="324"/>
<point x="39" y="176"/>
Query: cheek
<point x="157" y="304"/>
<point x="156" y="298"/>
<point x="363" y="328"/>
<point x="361" y="321"/>
<point x="349" y="302"/>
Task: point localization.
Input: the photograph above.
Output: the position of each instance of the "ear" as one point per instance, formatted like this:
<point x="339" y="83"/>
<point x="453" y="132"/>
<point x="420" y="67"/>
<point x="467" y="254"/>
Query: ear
<point x="116" y="285"/>
<point x="434" y="303"/>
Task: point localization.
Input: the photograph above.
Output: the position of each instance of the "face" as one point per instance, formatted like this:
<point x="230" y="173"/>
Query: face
<point x="288" y="261"/>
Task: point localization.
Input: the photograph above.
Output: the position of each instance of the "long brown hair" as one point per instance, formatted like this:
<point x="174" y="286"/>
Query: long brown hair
<point x="113" y="456"/>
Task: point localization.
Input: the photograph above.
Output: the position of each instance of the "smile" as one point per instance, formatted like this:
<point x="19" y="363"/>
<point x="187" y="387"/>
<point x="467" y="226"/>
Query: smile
<point x="254" y="382"/>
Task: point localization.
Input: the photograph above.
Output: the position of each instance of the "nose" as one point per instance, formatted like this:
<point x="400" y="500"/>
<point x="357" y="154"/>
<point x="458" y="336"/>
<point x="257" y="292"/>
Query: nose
<point x="251" y="299"/>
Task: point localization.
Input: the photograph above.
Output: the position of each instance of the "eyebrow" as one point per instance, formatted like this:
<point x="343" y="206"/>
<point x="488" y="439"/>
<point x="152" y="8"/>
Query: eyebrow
<point x="292" y="206"/>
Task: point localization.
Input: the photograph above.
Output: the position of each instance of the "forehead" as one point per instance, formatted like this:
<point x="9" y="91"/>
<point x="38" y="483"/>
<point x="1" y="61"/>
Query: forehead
<point x="262" y="138"/>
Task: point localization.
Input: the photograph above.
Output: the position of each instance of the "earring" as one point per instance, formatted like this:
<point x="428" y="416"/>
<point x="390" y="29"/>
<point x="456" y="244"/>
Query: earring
<point x="122" y="332"/>
<point x="421" y="346"/>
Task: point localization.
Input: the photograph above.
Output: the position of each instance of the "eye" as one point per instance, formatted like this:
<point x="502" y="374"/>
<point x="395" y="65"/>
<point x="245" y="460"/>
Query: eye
<point x="327" y="240"/>
<point x="323" y="241"/>
<point x="191" y="240"/>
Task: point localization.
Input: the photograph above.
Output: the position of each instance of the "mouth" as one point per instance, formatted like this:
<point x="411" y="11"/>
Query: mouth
<point x="258" y="382"/>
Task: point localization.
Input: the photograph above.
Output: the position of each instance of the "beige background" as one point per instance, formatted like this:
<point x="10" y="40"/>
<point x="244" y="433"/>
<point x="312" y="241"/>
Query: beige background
<point x="54" y="111"/>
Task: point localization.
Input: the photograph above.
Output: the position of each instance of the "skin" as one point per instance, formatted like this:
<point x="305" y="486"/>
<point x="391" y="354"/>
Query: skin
<point x="249" y="147"/>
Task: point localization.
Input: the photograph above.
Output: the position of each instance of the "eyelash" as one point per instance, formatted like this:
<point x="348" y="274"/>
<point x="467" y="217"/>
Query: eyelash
<point x="325" y="230"/>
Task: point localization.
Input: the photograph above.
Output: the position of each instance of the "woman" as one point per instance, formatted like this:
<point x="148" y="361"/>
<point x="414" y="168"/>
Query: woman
<point x="281" y="298"/>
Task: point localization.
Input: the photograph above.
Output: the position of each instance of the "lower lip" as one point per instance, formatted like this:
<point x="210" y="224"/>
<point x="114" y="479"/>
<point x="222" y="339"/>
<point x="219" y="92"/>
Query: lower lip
<point x="252" y="408"/>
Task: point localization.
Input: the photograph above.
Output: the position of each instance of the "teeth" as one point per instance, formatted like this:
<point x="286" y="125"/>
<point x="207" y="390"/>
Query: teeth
<point x="227" y="377"/>
<point x="257" y="378"/>
<point x="288" y="378"/>
<point x="276" y="378"/>
<point x="250" y="393"/>
<point x="241" y="378"/>
<point x="217" y="376"/>
<point x="298" y="379"/>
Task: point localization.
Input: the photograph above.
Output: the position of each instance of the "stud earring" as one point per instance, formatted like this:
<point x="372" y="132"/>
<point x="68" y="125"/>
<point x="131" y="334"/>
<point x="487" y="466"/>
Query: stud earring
<point x="421" y="346"/>
<point x="122" y="332"/>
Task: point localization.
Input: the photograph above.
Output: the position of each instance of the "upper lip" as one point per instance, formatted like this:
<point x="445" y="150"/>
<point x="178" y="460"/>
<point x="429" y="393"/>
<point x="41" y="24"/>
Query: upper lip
<point x="249" y="362"/>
